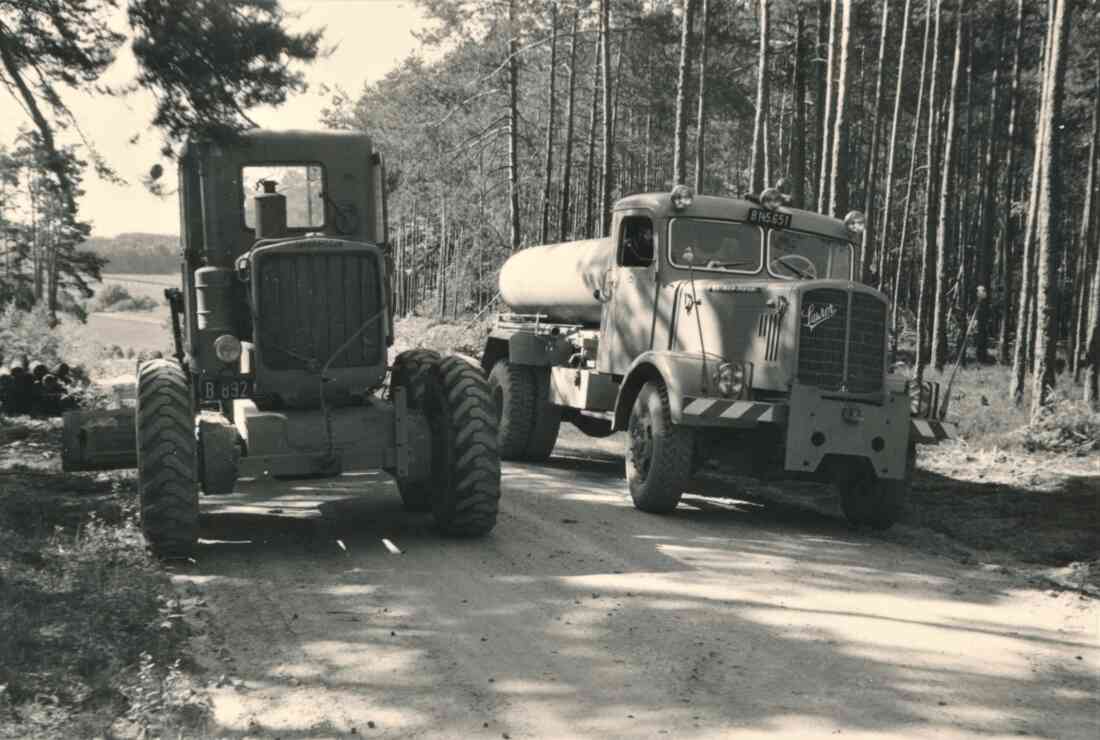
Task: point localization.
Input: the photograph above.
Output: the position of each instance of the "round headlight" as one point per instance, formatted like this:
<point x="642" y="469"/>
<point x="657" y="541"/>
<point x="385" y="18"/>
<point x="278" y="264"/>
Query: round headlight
<point x="771" y="198"/>
<point x="855" y="222"/>
<point x="730" y="379"/>
<point x="228" y="348"/>
<point x="681" y="197"/>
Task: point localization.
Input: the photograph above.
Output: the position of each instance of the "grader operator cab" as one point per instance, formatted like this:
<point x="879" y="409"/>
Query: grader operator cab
<point x="282" y="330"/>
<point x="711" y="329"/>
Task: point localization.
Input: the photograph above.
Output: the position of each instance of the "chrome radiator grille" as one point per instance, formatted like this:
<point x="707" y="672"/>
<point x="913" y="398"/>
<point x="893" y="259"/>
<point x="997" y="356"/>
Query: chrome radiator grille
<point x="842" y="341"/>
<point x="311" y="303"/>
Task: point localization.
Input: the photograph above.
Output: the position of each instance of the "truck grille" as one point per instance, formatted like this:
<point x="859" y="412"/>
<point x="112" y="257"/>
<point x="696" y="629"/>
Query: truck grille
<point x="842" y="341"/>
<point x="310" y="304"/>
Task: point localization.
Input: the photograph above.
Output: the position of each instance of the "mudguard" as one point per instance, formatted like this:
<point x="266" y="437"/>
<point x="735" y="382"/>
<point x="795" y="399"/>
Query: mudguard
<point x="683" y="375"/>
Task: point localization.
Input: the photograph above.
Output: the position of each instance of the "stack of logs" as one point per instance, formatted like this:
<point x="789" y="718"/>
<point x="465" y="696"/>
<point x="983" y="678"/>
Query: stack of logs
<point x="33" y="389"/>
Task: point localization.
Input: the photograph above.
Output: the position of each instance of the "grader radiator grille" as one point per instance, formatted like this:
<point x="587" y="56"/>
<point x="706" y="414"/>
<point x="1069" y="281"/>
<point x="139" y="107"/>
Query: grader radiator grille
<point x="310" y="304"/>
<point x="842" y="341"/>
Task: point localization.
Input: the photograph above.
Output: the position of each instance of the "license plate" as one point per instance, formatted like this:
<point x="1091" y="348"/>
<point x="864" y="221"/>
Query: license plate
<point x="774" y="219"/>
<point x="225" y="389"/>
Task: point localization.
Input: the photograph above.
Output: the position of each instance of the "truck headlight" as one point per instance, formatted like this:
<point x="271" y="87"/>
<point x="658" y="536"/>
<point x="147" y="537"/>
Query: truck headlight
<point x="730" y="379"/>
<point x="681" y="197"/>
<point x="228" y="348"/>
<point x="855" y="222"/>
<point x="771" y="198"/>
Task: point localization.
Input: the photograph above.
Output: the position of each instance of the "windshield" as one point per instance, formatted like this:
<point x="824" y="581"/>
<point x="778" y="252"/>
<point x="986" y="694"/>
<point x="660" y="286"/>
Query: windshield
<point x="715" y="245"/>
<point x="799" y="255"/>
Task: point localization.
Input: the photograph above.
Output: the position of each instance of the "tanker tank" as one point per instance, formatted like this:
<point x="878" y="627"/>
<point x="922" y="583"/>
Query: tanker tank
<point x="558" y="280"/>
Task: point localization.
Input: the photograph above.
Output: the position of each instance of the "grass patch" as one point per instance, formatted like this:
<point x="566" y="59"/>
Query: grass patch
<point x="90" y="629"/>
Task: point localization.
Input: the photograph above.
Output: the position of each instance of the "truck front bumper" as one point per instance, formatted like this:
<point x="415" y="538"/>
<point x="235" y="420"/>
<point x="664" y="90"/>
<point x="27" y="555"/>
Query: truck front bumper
<point x="817" y="426"/>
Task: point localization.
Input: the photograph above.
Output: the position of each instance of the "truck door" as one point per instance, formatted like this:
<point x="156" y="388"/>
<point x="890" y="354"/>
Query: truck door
<point x="629" y="313"/>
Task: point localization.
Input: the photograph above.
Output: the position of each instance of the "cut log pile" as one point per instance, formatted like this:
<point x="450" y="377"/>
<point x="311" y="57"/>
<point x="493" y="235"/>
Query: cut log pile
<point x="33" y="389"/>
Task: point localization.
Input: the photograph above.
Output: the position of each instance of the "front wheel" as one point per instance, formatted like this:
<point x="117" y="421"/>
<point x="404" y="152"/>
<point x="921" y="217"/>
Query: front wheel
<point x="410" y="371"/>
<point x="870" y="501"/>
<point x="658" y="453"/>
<point x="167" y="459"/>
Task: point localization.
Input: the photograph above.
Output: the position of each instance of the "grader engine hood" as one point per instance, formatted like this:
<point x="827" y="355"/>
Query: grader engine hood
<point x="318" y="309"/>
<point x="830" y="334"/>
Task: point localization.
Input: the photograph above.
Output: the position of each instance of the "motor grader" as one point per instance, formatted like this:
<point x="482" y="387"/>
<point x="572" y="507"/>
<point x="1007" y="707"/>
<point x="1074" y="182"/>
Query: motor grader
<point x="282" y="332"/>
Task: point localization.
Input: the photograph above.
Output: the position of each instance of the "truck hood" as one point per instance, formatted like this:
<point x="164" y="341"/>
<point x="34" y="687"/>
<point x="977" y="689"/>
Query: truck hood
<point x="755" y="322"/>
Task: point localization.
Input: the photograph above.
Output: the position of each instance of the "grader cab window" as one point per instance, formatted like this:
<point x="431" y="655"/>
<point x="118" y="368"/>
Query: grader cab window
<point x="303" y="186"/>
<point x="636" y="248"/>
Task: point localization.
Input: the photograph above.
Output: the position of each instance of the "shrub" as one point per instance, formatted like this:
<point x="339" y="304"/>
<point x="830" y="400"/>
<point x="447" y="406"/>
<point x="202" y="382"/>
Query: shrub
<point x="115" y="297"/>
<point x="28" y="333"/>
<point x="1064" y="426"/>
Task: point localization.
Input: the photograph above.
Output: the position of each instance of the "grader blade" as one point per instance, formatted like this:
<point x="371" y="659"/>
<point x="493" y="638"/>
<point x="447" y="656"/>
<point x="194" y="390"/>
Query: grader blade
<point x="98" y="440"/>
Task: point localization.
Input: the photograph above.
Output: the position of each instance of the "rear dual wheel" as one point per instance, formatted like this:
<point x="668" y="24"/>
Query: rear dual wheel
<point x="463" y="491"/>
<point x="528" y="422"/>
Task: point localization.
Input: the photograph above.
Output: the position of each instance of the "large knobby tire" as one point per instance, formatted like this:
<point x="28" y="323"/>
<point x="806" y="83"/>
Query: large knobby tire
<point x="546" y="421"/>
<point x="465" y="481"/>
<point x="658" y="453"/>
<point x="167" y="461"/>
<point x="513" y="396"/>
<point x="409" y="371"/>
<point x="870" y="501"/>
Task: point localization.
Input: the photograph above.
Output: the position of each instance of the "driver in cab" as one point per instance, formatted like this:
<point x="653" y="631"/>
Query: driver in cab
<point x="712" y="254"/>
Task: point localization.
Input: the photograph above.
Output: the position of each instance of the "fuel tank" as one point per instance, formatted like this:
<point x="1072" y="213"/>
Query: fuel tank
<point x="558" y="280"/>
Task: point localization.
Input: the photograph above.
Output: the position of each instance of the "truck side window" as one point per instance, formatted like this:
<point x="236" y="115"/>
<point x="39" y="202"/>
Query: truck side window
<point x="636" y="245"/>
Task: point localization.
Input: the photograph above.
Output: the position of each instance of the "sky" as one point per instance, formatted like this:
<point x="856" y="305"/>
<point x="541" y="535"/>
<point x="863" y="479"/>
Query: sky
<point x="370" y="36"/>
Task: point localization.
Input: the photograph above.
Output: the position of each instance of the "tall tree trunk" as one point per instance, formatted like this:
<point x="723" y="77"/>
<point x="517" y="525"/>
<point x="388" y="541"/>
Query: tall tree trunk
<point x="797" y="184"/>
<point x="1044" y="374"/>
<point x="1024" y="325"/>
<point x="590" y="178"/>
<point x="513" y="125"/>
<point x="567" y="162"/>
<point x="608" y="132"/>
<point x="823" y="195"/>
<point x="1090" y="243"/>
<point x="939" y="313"/>
<point x="838" y="188"/>
<point x="701" y="114"/>
<point x="872" y="157"/>
<point x="883" y="260"/>
<point x="548" y="159"/>
<point x="820" y="100"/>
<point x="759" y="129"/>
<point x="679" y="155"/>
<point x="985" y="238"/>
<point x="926" y="265"/>
<point x="1008" y="237"/>
<point x="913" y="145"/>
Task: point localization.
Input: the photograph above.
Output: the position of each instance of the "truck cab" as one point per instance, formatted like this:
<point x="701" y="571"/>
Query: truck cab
<point x="716" y="328"/>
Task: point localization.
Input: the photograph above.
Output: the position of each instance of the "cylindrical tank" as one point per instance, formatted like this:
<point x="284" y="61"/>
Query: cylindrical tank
<point x="214" y="298"/>
<point x="558" y="280"/>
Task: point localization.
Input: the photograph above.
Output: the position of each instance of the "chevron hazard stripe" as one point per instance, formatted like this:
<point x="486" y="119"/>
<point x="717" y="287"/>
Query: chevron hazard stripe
<point x="927" y="431"/>
<point x="716" y="410"/>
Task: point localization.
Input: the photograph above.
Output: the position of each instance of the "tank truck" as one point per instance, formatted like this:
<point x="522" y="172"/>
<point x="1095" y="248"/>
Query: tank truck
<point x="711" y="329"/>
<point x="282" y="332"/>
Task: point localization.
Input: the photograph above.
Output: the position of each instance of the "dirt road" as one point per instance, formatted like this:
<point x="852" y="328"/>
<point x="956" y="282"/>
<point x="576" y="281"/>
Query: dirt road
<point x="581" y="617"/>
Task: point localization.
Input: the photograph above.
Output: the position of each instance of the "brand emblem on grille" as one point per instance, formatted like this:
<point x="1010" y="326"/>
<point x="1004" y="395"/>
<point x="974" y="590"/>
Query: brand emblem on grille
<point x="816" y="314"/>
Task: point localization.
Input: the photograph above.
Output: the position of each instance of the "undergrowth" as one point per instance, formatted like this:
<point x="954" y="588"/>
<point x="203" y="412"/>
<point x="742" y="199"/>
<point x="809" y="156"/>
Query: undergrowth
<point x="90" y="630"/>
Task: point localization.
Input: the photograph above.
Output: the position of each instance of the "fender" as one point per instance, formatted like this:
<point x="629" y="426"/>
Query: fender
<point x="525" y="348"/>
<point x="681" y="373"/>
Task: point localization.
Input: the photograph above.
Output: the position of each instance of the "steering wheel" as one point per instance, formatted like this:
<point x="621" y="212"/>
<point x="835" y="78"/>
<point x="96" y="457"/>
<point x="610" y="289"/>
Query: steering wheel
<point x="802" y="266"/>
